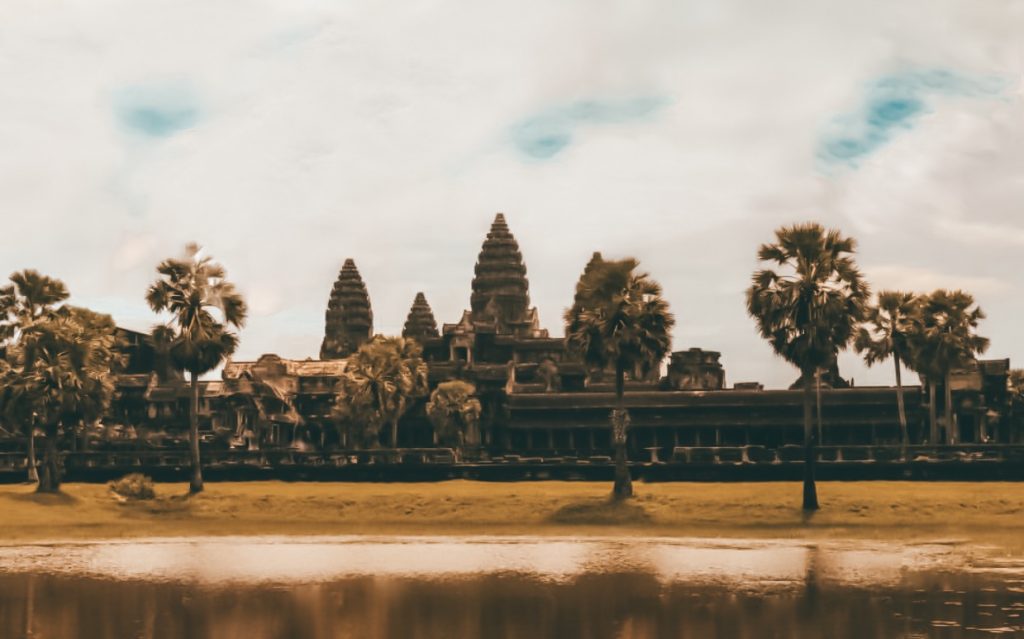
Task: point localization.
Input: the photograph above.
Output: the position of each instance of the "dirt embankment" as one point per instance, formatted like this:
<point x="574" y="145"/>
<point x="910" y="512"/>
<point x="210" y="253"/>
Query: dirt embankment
<point x="983" y="512"/>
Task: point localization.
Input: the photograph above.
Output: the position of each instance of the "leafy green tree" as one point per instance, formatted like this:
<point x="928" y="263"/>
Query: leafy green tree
<point x="807" y="303"/>
<point x="887" y="332"/>
<point x="30" y="297"/>
<point x="619" y="320"/>
<point x="74" y="354"/>
<point x="454" y="412"/>
<point x="203" y="306"/>
<point x="943" y="338"/>
<point x="381" y="380"/>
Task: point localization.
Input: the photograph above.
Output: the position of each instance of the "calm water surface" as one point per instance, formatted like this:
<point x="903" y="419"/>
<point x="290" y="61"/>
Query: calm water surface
<point x="264" y="587"/>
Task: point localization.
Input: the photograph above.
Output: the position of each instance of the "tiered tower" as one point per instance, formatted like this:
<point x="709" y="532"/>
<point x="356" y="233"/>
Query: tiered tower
<point x="349" y="320"/>
<point x="595" y="260"/>
<point x="500" y="288"/>
<point x="420" y="324"/>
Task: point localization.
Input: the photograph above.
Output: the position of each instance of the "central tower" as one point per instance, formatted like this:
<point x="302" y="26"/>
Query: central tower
<point x="348" y="322"/>
<point x="501" y="292"/>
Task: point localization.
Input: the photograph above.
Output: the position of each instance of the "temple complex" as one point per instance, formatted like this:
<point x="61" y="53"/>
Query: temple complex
<point x="538" y="400"/>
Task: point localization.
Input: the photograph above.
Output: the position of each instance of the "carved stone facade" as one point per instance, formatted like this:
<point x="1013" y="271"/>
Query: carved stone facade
<point x="696" y="369"/>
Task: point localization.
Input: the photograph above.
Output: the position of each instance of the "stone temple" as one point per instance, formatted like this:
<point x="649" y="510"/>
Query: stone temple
<point x="537" y="399"/>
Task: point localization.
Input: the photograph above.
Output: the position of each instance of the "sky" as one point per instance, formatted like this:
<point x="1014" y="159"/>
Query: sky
<point x="286" y="136"/>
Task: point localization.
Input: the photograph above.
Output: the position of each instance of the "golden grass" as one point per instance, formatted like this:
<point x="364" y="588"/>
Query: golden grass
<point x="986" y="512"/>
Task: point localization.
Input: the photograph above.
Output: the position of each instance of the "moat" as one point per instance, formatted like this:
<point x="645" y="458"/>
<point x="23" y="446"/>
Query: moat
<point x="260" y="587"/>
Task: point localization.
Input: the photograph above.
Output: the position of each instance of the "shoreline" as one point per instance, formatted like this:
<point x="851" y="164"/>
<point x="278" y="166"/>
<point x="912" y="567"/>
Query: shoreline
<point x="911" y="512"/>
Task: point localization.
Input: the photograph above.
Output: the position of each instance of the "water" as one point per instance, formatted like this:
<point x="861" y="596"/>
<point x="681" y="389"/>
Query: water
<point x="265" y="587"/>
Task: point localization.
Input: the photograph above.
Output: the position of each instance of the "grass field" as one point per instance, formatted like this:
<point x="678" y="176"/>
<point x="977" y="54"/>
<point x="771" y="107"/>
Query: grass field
<point x="984" y="512"/>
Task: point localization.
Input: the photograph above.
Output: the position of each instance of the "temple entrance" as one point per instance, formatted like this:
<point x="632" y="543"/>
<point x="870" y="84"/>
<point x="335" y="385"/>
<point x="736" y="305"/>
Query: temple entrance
<point x="967" y="430"/>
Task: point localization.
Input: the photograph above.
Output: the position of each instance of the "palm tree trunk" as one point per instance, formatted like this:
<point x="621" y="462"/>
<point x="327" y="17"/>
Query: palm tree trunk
<point x="623" y="487"/>
<point x="810" y="489"/>
<point x="49" y="479"/>
<point x="394" y="432"/>
<point x="951" y="434"/>
<point x="195" y="484"/>
<point x="901" y="409"/>
<point x="817" y="403"/>
<point x="33" y="472"/>
<point x="933" y="421"/>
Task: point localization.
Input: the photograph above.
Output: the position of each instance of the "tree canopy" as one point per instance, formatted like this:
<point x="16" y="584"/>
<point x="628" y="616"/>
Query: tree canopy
<point x="203" y="305"/>
<point x="809" y="302"/>
<point x="379" y="383"/>
<point x="454" y="412"/>
<point x="619" y="318"/>
<point x="944" y="333"/>
<point x="74" y="355"/>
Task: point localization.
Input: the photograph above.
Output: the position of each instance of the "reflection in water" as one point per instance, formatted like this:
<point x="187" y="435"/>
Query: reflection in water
<point x="519" y="588"/>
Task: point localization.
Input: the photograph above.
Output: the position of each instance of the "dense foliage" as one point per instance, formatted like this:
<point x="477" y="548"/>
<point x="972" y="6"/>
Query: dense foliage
<point x="454" y="411"/>
<point x="381" y="381"/>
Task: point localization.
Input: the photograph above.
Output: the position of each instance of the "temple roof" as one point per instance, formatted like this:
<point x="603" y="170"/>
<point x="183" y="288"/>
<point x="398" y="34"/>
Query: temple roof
<point x="421" y="323"/>
<point x="348" y="322"/>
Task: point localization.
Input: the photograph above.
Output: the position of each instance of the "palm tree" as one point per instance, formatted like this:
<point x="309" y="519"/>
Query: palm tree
<point x="944" y="338"/>
<point x="888" y="330"/>
<point x="74" y="354"/>
<point x="29" y="298"/>
<point x="619" y="319"/>
<point x="454" y="411"/>
<point x="380" y="382"/>
<point x="203" y="304"/>
<point x="808" y="310"/>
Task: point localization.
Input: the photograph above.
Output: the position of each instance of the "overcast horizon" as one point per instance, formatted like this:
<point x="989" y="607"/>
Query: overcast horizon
<point x="285" y="137"/>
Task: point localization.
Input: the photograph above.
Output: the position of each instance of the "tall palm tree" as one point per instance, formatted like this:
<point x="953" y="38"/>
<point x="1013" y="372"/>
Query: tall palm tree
<point x="75" y="354"/>
<point x="619" y="319"/>
<point x="381" y="381"/>
<point x="807" y="303"/>
<point x="30" y="297"/>
<point x="887" y="333"/>
<point x="944" y="337"/>
<point x="203" y="305"/>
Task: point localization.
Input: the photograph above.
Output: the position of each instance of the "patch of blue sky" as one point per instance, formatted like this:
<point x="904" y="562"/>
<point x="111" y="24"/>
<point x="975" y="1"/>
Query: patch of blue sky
<point x="893" y="103"/>
<point x="157" y="110"/>
<point x="546" y="134"/>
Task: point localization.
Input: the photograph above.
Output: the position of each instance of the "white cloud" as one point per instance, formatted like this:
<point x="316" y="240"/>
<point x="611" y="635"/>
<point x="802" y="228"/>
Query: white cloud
<point x="922" y="280"/>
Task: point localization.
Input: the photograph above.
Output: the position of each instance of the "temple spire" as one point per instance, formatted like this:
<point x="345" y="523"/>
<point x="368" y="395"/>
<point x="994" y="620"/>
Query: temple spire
<point x="595" y="260"/>
<point x="420" y="324"/>
<point x="349" y="319"/>
<point x="500" y="288"/>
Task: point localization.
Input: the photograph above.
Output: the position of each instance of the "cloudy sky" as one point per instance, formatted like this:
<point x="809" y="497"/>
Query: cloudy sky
<point x="287" y="135"/>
